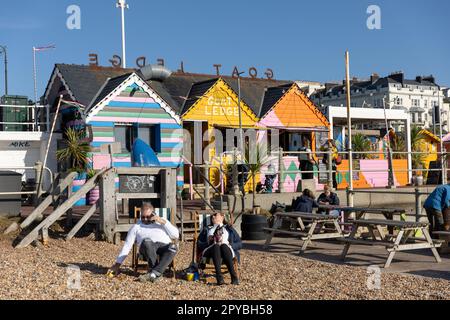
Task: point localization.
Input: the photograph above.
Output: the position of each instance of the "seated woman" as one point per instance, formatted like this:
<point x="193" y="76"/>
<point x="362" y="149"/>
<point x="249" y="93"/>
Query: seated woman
<point x="329" y="198"/>
<point x="305" y="203"/>
<point x="220" y="241"/>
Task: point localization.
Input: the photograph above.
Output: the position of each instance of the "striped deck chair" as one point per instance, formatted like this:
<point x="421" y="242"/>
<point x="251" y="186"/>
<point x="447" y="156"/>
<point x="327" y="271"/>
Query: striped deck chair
<point x="202" y="220"/>
<point x="136" y="256"/>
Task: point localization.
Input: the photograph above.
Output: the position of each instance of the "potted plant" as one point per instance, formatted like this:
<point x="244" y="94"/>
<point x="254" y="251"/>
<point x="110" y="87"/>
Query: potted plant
<point x="75" y="153"/>
<point x="94" y="194"/>
<point x="253" y="222"/>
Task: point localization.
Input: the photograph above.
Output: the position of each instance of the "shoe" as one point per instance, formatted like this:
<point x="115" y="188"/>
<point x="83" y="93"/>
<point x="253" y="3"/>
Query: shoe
<point x="220" y="280"/>
<point x="149" y="277"/>
<point x="235" y="281"/>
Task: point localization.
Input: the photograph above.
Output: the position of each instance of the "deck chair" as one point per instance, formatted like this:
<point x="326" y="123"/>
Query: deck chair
<point x="136" y="256"/>
<point x="202" y="220"/>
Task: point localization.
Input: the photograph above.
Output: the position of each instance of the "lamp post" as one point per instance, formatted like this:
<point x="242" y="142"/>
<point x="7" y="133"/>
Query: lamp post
<point x="122" y="4"/>
<point x="3" y="49"/>
<point x="391" y="183"/>
<point x="241" y="135"/>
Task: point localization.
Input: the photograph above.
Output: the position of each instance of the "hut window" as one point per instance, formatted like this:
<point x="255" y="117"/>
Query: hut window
<point x="124" y="135"/>
<point x="150" y="135"/>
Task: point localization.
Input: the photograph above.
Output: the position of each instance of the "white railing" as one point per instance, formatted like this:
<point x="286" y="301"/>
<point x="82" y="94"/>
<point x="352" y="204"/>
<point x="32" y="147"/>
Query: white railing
<point x="32" y="123"/>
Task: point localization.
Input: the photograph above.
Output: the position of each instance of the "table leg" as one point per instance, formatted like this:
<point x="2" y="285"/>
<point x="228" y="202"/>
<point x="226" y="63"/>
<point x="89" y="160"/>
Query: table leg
<point x="347" y="245"/>
<point x="389" y="216"/>
<point x="308" y="237"/>
<point x="372" y="234"/>
<point x="381" y="232"/>
<point x="398" y="239"/>
<point x="338" y="227"/>
<point x="272" y="233"/>
<point x="433" y="248"/>
<point x="302" y="225"/>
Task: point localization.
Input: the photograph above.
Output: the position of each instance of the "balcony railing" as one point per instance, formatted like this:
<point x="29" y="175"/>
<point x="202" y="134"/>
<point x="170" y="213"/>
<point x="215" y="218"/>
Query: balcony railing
<point x="17" y="118"/>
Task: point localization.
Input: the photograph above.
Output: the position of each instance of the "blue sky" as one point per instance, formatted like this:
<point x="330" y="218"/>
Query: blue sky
<point x="297" y="39"/>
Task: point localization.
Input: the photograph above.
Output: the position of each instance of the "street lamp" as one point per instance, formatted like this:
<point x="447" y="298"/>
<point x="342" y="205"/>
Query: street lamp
<point x="3" y="50"/>
<point x="391" y="183"/>
<point x="241" y="135"/>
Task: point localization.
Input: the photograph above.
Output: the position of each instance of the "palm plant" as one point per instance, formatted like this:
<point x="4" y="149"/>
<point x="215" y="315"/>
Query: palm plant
<point x="76" y="150"/>
<point x="416" y="137"/>
<point x="360" y="143"/>
<point x="257" y="159"/>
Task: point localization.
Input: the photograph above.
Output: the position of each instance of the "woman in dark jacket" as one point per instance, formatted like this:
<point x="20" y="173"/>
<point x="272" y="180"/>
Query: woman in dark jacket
<point x="305" y="203"/>
<point x="220" y="241"/>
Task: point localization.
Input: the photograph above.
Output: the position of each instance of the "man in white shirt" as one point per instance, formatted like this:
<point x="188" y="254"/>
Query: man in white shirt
<point x="154" y="236"/>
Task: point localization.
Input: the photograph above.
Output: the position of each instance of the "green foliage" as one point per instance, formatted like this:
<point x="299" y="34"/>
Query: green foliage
<point x="75" y="151"/>
<point x="360" y="143"/>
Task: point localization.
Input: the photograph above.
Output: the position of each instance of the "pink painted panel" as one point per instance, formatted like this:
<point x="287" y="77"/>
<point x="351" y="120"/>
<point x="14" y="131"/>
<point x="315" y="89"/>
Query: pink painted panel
<point x="134" y="120"/>
<point x="101" y="161"/>
<point x="138" y="100"/>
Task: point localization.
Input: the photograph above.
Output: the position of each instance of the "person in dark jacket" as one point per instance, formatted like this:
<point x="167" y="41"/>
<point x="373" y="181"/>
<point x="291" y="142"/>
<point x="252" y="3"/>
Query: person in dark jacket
<point x="305" y="203"/>
<point x="437" y="202"/>
<point x="328" y="198"/>
<point x="220" y="242"/>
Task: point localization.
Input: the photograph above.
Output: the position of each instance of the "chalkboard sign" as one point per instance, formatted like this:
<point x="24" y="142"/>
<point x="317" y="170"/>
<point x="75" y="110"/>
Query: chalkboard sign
<point x="138" y="184"/>
<point x="323" y="173"/>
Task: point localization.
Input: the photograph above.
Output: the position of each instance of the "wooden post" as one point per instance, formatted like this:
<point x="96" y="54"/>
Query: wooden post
<point x="330" y="166"/>
<point x="235" y="174"/>
<point x="418" y="197"/>
<point x="207" y="195"/>
<point x="191" y="182"/>
<point x="108" y="205"/>
<point x="280" y="171"/>
<point x="38" y="170"/>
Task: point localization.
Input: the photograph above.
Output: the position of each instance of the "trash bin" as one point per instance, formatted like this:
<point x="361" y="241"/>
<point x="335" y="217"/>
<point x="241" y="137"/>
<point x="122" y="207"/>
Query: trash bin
<point x="10" y="181"/>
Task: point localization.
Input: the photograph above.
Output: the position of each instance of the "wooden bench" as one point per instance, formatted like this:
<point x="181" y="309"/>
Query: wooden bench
<point x="404" y="240"/>
<point x="307" y="233"/>
<point x="444" y="236"/>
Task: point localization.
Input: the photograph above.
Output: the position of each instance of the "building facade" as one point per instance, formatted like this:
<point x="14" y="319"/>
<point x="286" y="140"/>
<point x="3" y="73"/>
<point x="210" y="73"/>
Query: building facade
<point x="420" y="97"/>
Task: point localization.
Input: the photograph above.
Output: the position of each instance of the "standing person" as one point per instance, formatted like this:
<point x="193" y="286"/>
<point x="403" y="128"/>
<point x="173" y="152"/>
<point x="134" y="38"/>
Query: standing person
<point x="305" y="203"/>
<point x="306" y="160"/>
<point x="335" y="158"/>
<point x="328" y="197"/>
<point x="154" y="236"/>
<point x="436" y="203"/>
<point x="220" y="241"/>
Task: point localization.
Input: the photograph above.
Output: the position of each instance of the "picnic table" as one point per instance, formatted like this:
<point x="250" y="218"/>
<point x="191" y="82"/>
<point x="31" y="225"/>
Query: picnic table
<point x="312" y="227"/>
<point x="360" y="212"/>
<point x="393" y="243"/>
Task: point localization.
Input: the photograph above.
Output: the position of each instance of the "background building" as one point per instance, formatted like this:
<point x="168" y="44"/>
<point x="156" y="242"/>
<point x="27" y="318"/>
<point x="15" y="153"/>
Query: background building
<point x="419" y="97"/>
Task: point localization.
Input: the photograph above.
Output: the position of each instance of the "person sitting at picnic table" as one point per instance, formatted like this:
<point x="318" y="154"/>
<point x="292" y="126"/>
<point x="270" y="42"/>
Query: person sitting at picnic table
<point x="154" y="236"/>
<point x="305" y="203"/>
<point x="437" y="202"/>
<point x="328" y="197"/>
<point x="221" y="242"/>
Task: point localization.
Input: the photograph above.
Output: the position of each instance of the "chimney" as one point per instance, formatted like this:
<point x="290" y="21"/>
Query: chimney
<point x="399" y="77"/>
<point x="374" y="77"/>
<point x="430" y="79"/>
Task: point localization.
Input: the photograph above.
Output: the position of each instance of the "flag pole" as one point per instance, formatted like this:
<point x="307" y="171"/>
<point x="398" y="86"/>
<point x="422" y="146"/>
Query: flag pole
<point x="49" y="142"/>
<point x="35" y="89"/>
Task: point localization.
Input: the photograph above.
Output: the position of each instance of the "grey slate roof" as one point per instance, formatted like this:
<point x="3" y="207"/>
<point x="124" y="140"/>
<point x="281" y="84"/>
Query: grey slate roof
<point x="180" y="90"/>
<point x="187" y="88"/>
<point x="109" y="87"/>
<point x="86" y="81"/>
<point x="380" y="82"/>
